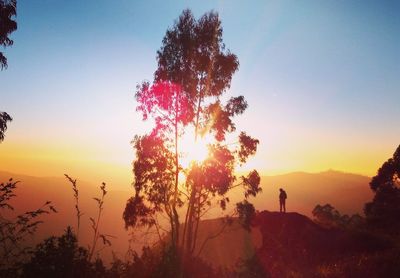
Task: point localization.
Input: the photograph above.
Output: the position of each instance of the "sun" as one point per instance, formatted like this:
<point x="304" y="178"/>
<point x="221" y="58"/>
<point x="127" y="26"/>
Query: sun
<point x="191" y="150"/>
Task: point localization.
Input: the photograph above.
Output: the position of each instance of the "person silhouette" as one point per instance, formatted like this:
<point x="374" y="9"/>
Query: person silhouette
<point x="282" y="200"/>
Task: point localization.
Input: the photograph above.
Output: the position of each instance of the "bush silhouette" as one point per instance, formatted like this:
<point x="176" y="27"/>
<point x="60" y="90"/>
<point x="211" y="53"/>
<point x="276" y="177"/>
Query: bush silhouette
<point x="62" y="257"/>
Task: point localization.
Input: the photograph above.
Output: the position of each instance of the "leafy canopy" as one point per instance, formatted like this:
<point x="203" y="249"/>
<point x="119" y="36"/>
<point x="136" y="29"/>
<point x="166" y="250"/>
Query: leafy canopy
<point x="194" y="72"/>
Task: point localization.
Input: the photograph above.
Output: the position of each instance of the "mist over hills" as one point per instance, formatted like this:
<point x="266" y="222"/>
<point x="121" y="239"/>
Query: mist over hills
<point x="346" y="192"/>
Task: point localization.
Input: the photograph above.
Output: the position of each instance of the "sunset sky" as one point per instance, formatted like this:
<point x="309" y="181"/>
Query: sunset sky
<point x="322" y="79"/>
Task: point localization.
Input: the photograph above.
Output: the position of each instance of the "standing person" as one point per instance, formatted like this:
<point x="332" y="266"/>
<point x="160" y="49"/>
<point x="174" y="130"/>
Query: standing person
<point x="282" y="200"/>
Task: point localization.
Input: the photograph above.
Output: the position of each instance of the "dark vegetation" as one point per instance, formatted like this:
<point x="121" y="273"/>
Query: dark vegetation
<point x="14" y="231"/>
<point x="194" y="71"/>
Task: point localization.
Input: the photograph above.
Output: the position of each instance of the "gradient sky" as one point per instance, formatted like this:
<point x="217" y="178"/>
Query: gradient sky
<point x="322" y="79"/>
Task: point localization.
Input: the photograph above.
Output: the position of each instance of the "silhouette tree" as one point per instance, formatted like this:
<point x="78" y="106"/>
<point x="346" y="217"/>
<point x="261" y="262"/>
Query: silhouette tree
<point x="8" y="9"/>
<point x="194" y="71"/>
<point x="4" y="118"/>
<point x="384" y="210"/>
<point x="246" y="212"/>
<point x="328" y="216"/>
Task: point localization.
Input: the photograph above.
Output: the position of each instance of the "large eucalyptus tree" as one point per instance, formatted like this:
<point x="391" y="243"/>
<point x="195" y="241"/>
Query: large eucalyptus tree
<point x="193" y="75"/>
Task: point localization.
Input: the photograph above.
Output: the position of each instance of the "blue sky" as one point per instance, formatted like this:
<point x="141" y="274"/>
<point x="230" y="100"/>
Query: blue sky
<point x="321" y="78"/>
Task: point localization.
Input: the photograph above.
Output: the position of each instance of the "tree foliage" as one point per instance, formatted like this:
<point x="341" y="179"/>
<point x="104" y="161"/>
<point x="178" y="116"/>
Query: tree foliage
<point x="194" y="72"/>
<point x="384" y="210"/>
<point x="8" y="9"/>
<point x="4" y="118"/>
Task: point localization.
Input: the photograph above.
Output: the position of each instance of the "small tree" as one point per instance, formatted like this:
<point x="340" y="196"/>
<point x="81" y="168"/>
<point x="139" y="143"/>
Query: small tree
<point x="384" y="210"/>
<point x="194" y="71"/>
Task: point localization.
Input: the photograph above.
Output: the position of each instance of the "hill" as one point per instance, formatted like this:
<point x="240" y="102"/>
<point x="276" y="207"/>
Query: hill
<point x="292" y="245"/>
